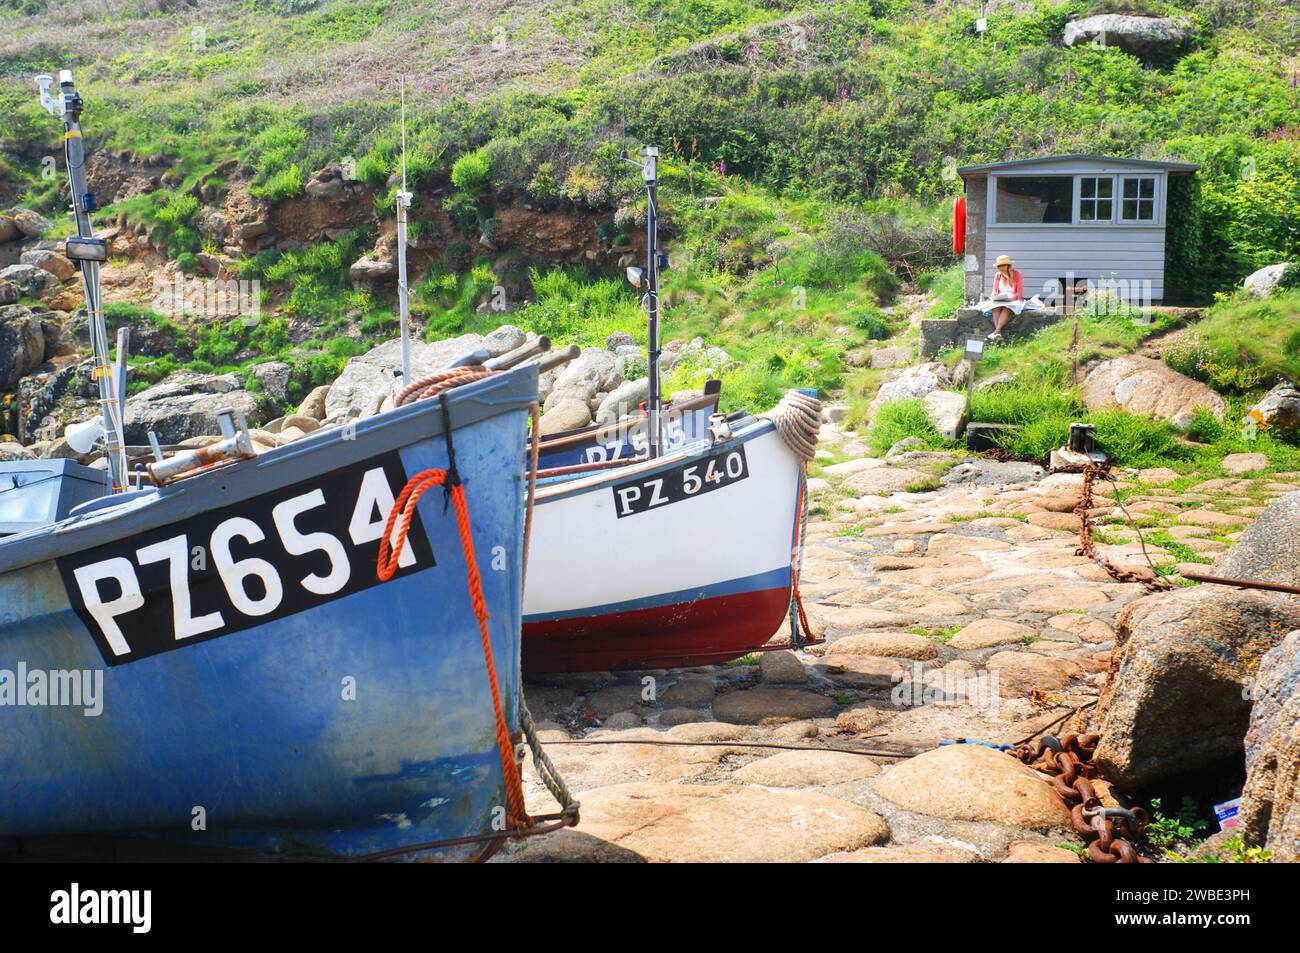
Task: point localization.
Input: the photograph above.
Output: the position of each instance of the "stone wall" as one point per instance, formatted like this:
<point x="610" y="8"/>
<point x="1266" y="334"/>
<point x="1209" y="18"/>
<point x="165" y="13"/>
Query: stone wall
<point x="938" y="333"/>
<point x="977" y="193"/>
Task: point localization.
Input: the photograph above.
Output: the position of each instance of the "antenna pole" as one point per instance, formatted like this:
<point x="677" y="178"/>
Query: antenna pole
<point x="650" y="172"/>
<point x="403" y="293"/>
<point x="89" y="253"/>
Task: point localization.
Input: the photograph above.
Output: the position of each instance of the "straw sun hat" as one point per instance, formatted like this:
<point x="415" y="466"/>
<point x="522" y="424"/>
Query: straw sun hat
<point x="1004" y="260"/>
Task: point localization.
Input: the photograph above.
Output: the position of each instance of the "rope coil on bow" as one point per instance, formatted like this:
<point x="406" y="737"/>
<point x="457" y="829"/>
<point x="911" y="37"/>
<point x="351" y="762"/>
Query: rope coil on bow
<point x="798" y="420"/>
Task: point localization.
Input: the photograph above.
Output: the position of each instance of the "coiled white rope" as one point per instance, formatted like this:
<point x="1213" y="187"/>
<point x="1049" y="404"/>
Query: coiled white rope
<point x="798" y="419"/>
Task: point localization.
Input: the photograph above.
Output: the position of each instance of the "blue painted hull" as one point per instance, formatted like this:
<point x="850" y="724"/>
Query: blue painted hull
<point x="353" y="725"/>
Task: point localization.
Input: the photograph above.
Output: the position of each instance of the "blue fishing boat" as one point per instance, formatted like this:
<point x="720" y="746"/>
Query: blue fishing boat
<point x="238" y="662"/>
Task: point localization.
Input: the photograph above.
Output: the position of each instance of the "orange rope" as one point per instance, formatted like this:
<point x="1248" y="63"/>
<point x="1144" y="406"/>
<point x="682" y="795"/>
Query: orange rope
<point x="404" y="509"/>
<point x="794" y="563"/>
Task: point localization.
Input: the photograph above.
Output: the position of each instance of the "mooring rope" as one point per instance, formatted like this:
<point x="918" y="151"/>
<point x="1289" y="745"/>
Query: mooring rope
<point x="798" y="419"/>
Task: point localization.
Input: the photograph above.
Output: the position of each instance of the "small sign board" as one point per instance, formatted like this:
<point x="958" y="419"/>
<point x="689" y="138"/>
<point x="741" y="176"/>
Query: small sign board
<point x="974" y="349"/>
<point x="1227" y="813"/>
<point x="982" y="25"/>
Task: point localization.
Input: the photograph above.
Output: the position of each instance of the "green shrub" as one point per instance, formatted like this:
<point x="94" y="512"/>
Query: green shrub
<point x="470" y="172"/>
<point x="898" y="419"/>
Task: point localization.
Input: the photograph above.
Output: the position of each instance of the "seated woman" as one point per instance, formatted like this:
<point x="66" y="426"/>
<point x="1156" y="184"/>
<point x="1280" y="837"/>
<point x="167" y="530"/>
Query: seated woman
<point x="1008" y="295"/>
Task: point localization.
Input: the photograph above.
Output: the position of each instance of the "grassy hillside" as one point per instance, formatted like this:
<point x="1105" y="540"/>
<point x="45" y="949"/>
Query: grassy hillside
<point x="810" y="144"/>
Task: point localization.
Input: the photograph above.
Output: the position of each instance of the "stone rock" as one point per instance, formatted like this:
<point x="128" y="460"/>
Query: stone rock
<point x="617" y="340"/>
<point x="913" y="383"/>
<point x="758" y="705"/>
<point x="681" y="716"/>
<point x="1175" y="703"/>
<point x="504" y="339"/>
<point x="594" y="371"/>
<point x="1270" y="803"/>
<point x="185" y="405"/>
<point x="986" y="633"/>
<point x="622" y="720"/>
<point x="808" y="769"/>
<point x="948" y="411"/>
<point x="274" y="378"/>
<point x="974" y="783"/>
<point x="891" y="357"/>
<point x="981" y="472"/>
<point x="1151" y="388"/>
<point x="301" y="422"/>
<point x="690" y="692"/>
<point x="860" y="671"/>
<point x="32" y="224"/>
<point x="1279" y="409"/>
<point x="368" y="378"/>
<point x="313" y="405"/>
<point x="1237" y="463"/>
<point x="781" y="668"/>
<point x="8" y="230"/>
<point x="372" y="271"/>
<point x="882" y="481"/>
<point x="22" y="345"/>
<point x="1036" y="852"/>
<point x="706" y="731"/>
<point x="1063" y="599"/>
<point x="1263" y="281"/>
<point x="720" y="823"/>
<point x="889" y="644"/>
<point x="29" y="278"/>
<point x="906" y="854"/>
<point x="12" y="451"/>
<point x="1267" y="550"/>
<point x="1154" y="40"/>
<point x="862" y="719"/>
<point x="51" y="261"/>
<point x="567" y="413"/>
<point x="903" y="446"/>
<point x="1020" y="673"/>
<point x="10" y="293"/>
<point x="1085" y="627"/>
<point x="850" y="467"/>
<point x="623" y="400"/>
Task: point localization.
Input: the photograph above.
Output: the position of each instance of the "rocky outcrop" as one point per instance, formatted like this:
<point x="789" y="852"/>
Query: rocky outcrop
<point x="1278" y="410"/>
<point x="1262" y="282"/>
<point x="1176" y="703"/>
<point x="58" y="266"/>
<point x="31" y="224"/>
<point x="913" y="384"/>
<point x="1143" y="386"/>
<point x="1270" y="802"/>
<point x="29" y="278"/>
<point x="1154" y="40"/>
<point x="22" y="345"/>
<point x="185" y="405"/>
<point x="370" y="377"/>
<point x="948" y="410"/>
<point x="1267" y="550"/>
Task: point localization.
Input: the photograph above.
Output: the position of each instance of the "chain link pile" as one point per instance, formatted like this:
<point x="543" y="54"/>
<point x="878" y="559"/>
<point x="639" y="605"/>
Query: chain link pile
<point x="1109" y="832"/>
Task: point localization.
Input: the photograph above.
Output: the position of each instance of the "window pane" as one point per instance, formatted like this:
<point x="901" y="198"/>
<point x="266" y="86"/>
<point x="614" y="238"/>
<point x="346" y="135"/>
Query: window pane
<point x="1148" y="189"/>
<point x="1087" y="188"/>
<point x="1130" y="209"/>
<point x="1105" y="210"/>
<point x="1032" y="199"/>
<point x="1106" y="188"/>
<point x="1130" y="188"/>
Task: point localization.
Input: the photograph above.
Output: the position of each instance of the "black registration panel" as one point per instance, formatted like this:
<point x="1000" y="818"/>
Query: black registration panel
<point x="701" y="475"/>
<point x="242" y="565"/>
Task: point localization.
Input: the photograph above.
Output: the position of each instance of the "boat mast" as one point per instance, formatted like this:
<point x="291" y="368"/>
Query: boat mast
<point x="89" y="253"/>
<point x="403" y="293"/>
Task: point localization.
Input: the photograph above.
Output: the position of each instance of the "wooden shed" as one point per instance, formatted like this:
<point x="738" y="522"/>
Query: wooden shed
<point x="1069" y="218"/>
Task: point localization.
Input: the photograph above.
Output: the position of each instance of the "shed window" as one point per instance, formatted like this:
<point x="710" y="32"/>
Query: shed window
<point x="1034" y="199"/>
<point x="1096" y="198"/>
<point x="1138" y="203"/>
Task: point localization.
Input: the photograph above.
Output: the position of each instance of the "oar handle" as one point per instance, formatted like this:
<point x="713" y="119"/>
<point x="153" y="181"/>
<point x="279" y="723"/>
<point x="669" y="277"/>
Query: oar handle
<point x="555" y="358"/>
<point x="520" y="354"/>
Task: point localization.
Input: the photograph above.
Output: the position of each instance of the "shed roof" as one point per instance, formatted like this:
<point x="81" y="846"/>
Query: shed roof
<point x="1078" y="157"/>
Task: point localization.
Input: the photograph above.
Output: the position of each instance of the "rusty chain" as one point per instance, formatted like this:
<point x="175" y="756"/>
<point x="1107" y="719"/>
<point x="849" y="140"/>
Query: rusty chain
<point x="1109" y="832"/>
<point x="1144" y="577"/>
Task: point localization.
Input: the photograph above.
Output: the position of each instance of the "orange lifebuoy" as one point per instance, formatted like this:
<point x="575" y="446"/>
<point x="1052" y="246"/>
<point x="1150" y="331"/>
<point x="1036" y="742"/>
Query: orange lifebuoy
<point x="958" y="225"/>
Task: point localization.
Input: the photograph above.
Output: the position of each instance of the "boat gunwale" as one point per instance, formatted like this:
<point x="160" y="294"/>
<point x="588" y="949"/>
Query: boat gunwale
<point x="280" y="466"/>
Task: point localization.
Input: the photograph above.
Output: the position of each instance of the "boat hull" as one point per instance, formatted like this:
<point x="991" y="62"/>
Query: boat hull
<point x="348" y="720"/>
<point x="631" y="570"/>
